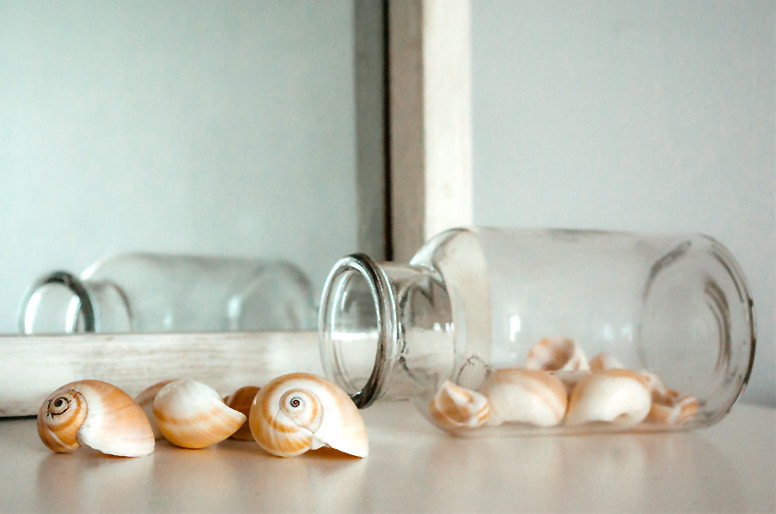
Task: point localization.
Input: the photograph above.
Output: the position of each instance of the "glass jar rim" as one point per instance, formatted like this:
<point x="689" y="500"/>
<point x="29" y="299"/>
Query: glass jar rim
<point x="388" y="334"/>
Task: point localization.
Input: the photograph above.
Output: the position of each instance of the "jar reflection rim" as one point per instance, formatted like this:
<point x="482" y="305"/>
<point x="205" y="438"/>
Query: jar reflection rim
<point x="388" y="332"/>
<point x="74" y="285"/>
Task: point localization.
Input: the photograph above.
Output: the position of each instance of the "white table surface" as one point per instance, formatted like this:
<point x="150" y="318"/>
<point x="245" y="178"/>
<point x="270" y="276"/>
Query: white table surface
<point x="412" y="467"/>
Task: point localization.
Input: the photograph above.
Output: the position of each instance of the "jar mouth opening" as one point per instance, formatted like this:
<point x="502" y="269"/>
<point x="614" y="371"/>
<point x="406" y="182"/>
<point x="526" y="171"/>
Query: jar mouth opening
<point x="358" y="328"/>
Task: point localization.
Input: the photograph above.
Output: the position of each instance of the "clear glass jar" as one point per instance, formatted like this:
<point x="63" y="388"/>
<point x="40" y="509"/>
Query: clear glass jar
<point x="147" y="292"/>
<point x="525" y="331"/>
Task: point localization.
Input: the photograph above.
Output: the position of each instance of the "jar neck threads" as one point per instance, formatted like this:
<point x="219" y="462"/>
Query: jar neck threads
<point x="385" y="329"/>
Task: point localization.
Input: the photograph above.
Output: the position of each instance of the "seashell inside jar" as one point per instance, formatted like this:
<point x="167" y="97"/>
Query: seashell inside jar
<point x="558" y="390"/>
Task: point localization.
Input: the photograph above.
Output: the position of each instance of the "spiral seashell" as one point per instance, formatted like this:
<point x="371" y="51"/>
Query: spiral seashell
<point x="556" y="353"/>
<point x="457" y="408"/>
<point x="615" y="396"/>
<point x="192" y="415"/>
<point x="604" y="361"/>
<point x="146" y="401"/>
<point x="299" y="412"/>
<point x="524" y="396"/>
<point x="94" y="414"/>
<point x="241" y="401"/>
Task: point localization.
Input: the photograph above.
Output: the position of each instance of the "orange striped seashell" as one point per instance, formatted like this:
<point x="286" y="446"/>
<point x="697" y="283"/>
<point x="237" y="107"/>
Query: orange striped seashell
<point x="519" y="395"/>
<point x="556" y="353"/>
<point x="615" y="396"/>
<point x="146" y="401"/>
<point x="457" y="408"/>
<point x="192" y="415"/>
<point x="298" y="412"/>
<point x="241" y="401"/>
<point x="95" y="414"/>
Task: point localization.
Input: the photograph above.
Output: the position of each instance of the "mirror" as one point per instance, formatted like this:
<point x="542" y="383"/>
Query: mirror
<point x="225" y="131"/>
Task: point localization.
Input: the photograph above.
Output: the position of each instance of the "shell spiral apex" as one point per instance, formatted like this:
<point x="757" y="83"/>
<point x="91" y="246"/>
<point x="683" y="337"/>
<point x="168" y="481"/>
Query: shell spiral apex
<point x="298" y="412"/>
<point x="94" y="414"/>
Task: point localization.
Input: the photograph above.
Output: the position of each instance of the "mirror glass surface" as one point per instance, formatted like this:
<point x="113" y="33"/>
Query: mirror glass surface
<point x="186" y="128"/>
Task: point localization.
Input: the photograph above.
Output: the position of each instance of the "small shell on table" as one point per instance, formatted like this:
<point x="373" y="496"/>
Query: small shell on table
<point x="604" y="361"/>
<point x="556" y="353"/>
<point x="241" y="400"/>
<point x="300" y="411"/>
<point x="94" y="414"/>
<point x="524" y="396"/>
<point x="191" y="414"/>
<point x="146" y="401"/>
<point x="615" y="396"/>
<point x="457" y="408"/>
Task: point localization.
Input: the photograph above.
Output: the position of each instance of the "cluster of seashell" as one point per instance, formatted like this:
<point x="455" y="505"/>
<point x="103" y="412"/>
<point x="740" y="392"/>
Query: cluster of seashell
<point x="288" y="416"/>
<point x="559" y="386"/>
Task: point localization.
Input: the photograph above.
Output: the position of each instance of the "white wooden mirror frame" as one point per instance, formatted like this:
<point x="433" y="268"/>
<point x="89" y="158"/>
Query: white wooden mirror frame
<point x="428" y="186"/>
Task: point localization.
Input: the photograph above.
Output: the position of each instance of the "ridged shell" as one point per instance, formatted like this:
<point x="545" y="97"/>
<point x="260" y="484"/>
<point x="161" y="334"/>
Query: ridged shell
<point x="612" y="396"/>
<point x="146" y="401"/>
<point x="524" y="396"/>
<point x="300" y="411"/>
<point x="241" y="400"/>
<point x="94" y="414"/>
<point x="192" y="415"/>
<point x="556" y="353"/>
<point x="457" y="408"/>
<point x="604" y="361"/>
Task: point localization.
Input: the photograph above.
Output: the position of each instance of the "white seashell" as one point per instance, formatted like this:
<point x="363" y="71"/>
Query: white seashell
<point x="94" y="414"/>
<point x="604" y="361"/>
<point x="457" y="408"/>
<point x="146" y="401"/>
<point x="241" y="401"/>
<point x="556" y="353"/>
<point x="615" y="396"/>
<point x="299" y="412"/>
<point x="191" y="414"/>
<point x="524" y="396"/>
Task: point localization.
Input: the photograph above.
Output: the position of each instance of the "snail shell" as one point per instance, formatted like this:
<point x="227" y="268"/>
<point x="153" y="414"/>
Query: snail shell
<point x="616" y="396"/>
<point x="94" y="414"/>
<point x="457" y="408"/>
<point x="525" y="396"/>
<point x="299" y="412"/>
<point x="556" y="353"/>
<point x="146" y="401"/>
<point x="191" y="414"/>
<point x="241" y="401"/>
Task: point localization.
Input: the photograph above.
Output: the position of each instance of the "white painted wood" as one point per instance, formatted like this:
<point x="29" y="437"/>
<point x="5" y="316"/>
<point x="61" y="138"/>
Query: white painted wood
<point x="32" y="367"/>
<point x="430" y="95"/>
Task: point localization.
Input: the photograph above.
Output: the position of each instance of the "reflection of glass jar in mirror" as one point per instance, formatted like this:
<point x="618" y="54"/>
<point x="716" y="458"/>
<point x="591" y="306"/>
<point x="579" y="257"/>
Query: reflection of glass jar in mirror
<point x="146" y="292"/>
<point x="530" y="331"/>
